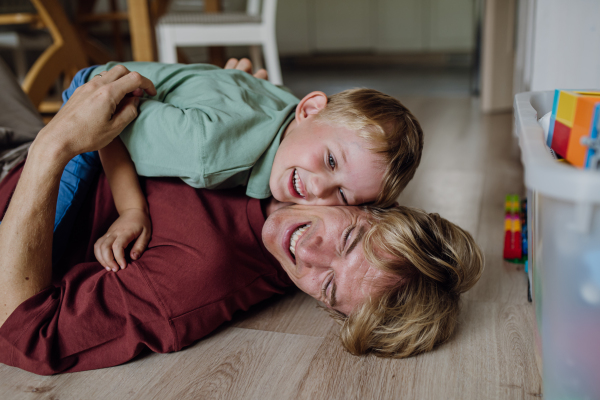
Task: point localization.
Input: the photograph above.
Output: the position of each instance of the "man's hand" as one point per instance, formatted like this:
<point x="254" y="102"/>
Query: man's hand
<point x="110" y="248"/>
<point x="96" y="113"/>
<point x="246" y="65"/>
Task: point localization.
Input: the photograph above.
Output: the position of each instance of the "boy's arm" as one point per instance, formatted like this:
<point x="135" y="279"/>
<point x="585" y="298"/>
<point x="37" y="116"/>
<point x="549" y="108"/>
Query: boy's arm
<point x="133" y="221"/>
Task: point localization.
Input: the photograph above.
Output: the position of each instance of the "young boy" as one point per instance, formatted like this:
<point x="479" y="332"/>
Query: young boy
<point x="218" y="128"/>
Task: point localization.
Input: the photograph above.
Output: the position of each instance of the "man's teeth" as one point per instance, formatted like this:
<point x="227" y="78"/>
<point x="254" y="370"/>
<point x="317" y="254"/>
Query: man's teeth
<point x="296" y="185"/>
<point x="297" y="233"/>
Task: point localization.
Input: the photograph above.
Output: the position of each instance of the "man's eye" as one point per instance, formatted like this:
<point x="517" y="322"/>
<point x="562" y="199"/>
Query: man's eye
<point x="331" y="162"/>
<point x="347" y="234"/>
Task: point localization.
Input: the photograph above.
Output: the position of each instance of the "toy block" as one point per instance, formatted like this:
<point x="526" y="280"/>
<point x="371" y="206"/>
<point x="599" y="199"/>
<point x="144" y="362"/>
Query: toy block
<point x="552" y="118"/>
<point x="577" y="153"/>
<point x="567" y="103"/>
<point x="563" y="120"/>
<point x="560" y="139"/>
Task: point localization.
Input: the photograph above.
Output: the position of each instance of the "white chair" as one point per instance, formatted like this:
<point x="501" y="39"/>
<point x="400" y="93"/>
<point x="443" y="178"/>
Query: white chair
<point x="181" y="27"/>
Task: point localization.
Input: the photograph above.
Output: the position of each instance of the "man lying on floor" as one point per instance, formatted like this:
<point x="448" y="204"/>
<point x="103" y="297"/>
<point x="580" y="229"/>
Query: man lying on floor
<point x="393" y="277"/>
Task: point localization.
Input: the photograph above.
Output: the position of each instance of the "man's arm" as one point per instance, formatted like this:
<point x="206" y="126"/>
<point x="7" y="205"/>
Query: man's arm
<point x="93" y="117"/>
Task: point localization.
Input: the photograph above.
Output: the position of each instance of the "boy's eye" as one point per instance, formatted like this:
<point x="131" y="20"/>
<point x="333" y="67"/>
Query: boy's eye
<point x="331" y="162"/>
<point x="343" y="197"/>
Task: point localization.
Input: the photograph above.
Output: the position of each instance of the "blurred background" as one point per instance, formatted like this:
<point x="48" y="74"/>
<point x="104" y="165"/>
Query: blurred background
<point x="486" y="49"/>
<point x="456" y="64"/>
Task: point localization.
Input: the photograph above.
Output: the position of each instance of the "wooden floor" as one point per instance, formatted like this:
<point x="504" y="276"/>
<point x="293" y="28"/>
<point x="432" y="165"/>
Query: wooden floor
<point x="288" y="349"/>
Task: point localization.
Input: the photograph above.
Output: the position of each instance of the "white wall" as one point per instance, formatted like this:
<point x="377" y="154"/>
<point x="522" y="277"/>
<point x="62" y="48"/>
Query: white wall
<point x="312" y="26"/>
<point x="566" y="45"/>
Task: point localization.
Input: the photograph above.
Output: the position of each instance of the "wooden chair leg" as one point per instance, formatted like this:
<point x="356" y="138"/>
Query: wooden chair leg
<point x="64" y="56"/>
<point x="142" y="32"/>
<point x="44" y="72"/>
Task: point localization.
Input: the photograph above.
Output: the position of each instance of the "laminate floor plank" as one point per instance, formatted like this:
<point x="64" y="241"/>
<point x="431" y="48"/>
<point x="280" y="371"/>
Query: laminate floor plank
<point x="455" y="195"/>
<point x="295" y="312"/>
<point x="234" y="363"/>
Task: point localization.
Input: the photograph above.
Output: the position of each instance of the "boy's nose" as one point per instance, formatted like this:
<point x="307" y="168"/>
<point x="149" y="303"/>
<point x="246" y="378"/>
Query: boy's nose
<point x="321" y="188"/>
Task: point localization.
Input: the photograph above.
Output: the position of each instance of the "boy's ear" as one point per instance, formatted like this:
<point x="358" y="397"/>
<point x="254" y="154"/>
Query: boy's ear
<point x="311" y="104"/>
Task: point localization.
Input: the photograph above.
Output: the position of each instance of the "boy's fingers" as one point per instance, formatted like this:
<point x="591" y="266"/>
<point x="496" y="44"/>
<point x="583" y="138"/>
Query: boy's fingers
<point x="119" y="253"/>
<point x="140" y="245"/>
<point x="99" y="255"/>
<point x="262" y="74"/>
<point x="231" y="63"/>
<point x="107" y="255"/>
<point x="245" y="65"/>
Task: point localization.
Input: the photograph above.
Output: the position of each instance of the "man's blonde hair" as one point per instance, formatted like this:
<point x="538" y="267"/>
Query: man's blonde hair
<point x="390" y="130"/>
<point x="435" y="260"/>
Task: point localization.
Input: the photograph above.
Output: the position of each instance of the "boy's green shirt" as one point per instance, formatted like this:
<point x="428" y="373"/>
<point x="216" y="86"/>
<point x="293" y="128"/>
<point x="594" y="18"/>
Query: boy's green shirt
<point x="211" y="127"/>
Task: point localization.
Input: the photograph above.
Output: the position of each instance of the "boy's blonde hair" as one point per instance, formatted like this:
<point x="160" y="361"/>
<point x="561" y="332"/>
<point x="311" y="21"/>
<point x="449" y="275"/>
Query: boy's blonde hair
<point x="390" y="130"/>
<point x="435" y="260"/>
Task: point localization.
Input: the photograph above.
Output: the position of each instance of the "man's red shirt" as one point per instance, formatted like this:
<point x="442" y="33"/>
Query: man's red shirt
<point x="205" y="261"/>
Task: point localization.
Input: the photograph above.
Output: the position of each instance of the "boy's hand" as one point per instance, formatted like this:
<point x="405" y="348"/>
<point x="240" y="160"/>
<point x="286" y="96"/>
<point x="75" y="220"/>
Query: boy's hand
<point x="246" y="65"/>
<point x="110" y="248"/>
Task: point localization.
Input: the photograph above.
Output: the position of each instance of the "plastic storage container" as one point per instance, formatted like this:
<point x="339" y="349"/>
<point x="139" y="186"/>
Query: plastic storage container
<point x="564" y="258"/>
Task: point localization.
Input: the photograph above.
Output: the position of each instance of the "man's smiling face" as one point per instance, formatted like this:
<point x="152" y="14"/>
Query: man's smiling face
<point x="321" y="249"/>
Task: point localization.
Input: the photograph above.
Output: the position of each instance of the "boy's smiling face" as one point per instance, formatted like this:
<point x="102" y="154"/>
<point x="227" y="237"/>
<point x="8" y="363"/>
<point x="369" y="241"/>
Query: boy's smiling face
<point x="322" y="164"/>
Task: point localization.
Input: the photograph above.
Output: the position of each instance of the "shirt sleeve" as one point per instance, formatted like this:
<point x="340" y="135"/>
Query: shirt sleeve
<point x="206" y="125"/>
<point x="91" y="319"/>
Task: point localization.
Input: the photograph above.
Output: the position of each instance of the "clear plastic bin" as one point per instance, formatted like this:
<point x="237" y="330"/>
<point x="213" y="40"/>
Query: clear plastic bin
<point x="564" y="258"/>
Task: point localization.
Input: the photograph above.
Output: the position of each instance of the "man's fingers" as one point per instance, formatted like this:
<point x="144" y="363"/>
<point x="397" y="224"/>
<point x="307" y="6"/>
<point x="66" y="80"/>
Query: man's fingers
<point x="231" y="63"/>
<point x="140" y="245"/>
<point x="137" y="92"/>
<point x="127" y="83"/>
<point x="120" y="73"/>
<point x="113" y="74"/>
<point x="262" y="74"/>
<point x="126" y="111"/>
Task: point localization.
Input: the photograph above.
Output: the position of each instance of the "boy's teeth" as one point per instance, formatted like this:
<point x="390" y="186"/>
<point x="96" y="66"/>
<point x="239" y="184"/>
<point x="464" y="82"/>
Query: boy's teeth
<point x="296" y="185"/>
<point x="297" y="233"/>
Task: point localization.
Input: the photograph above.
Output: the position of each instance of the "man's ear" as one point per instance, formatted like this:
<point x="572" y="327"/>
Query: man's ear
<point x="311" y="104"/>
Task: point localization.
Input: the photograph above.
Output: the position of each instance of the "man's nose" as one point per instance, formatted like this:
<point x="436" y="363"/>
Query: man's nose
<point x="312" y="253"/>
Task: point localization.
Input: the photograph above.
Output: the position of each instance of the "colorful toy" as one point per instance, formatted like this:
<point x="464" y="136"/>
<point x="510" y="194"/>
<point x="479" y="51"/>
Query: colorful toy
<point x="515" y="234"/>
<point x="513" y="250"/>
<point x="584" y="142"/>
<point x="524" y="249"/>
<point x="573" y="130"/>
<point x="515" y="229"/>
